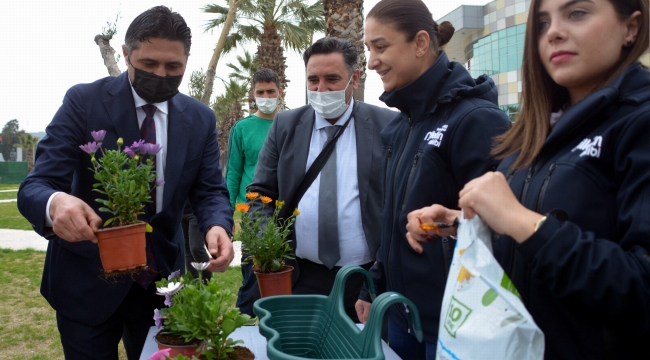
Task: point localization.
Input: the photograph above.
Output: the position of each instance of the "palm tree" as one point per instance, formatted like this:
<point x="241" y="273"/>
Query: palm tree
<point x="28" y="142"/>
<point x="227" y="20"/>
<point x="344" y="19"/>
<point x="273" y="25"/>
<point x="229" y="109"/>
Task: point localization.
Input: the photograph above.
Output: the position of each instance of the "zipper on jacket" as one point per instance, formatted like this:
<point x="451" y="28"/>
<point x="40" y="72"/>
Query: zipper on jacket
<point x="408" y="181"/>
<point x="522" y="198"/>
<point x="496" y="236"/>
<point x="387" y="167"/>
<point x="390" y="242"/>
<point x="524" y="190"/>
<point x="542" y="192"/>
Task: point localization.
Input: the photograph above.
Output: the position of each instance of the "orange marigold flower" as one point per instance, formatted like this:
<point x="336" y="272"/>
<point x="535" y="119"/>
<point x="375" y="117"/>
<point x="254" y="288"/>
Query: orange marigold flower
<point x="242" y="208"/>
<point x="279" y="204"/>
<point x="252" y="195"/>
<point x="296" y="212"/>
<point x="265" y="199"/>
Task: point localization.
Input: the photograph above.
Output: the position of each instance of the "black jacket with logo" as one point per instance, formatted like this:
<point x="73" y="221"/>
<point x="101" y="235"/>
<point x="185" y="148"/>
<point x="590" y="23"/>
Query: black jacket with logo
<point x="439" y="141"/>
<point x="585" y="274"/>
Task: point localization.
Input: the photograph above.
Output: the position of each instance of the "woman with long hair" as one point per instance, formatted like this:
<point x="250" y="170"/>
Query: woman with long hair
<point x="570" y="202"/>
<point x="440" y="140"/>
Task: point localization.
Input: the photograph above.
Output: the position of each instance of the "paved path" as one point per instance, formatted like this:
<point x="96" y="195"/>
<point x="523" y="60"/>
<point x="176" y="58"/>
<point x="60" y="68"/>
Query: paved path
<point x="21" y="239"/>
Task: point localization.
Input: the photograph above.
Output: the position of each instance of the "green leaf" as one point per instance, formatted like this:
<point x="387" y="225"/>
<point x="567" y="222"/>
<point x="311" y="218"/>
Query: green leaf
<point x="148" y="228"/>
<point x="108" y="222"/>
<point x="228" y="326"/>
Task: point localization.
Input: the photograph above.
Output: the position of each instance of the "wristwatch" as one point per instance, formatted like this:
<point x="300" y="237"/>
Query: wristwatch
<point x="538" y="224"/>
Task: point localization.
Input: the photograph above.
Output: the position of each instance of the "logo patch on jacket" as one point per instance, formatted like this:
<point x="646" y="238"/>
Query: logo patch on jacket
<point x="590" y="147"/>
<point x="435" y="137"/>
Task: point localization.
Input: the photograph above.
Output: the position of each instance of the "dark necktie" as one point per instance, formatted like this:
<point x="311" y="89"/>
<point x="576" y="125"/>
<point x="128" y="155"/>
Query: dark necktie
<point x="328" y="222"/>
<point x="148" y="134"/>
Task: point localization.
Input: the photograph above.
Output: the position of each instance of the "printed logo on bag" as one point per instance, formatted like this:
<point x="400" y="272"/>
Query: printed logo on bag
<point x="590" y="147"/>
<point x="456" y="316"/>
<point x="435" y="137"/>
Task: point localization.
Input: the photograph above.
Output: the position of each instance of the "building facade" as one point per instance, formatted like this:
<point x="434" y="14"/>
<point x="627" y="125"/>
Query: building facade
<point x="489" y="39"/>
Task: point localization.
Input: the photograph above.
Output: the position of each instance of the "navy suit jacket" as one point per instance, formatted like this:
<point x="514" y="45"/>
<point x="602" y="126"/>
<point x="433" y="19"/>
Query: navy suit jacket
<point x="72" y="276"/>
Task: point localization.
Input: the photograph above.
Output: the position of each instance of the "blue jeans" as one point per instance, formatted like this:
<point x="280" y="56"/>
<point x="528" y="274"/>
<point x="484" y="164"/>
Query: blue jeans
<point x="406" y="345"/>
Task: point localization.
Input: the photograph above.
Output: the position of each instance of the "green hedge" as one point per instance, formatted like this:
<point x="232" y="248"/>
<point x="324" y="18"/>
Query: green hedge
<point x="13" y="172"/>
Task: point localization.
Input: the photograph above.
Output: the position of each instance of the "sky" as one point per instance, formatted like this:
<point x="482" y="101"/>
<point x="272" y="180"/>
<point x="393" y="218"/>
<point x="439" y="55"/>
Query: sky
<point x="49" y="47"/>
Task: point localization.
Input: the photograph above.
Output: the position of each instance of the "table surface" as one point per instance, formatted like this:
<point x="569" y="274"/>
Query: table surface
<point x="252" y="340"/>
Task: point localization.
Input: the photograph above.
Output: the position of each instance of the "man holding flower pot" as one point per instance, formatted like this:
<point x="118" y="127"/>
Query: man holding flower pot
<point x="57" y="198"/>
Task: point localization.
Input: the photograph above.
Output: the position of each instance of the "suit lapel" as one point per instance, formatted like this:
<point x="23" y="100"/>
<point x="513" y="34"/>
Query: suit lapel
<point x="302" y="138"/>
<point x="178" y="138"/>
<point x="121" y="109"/>
<point x="364" y="135"/>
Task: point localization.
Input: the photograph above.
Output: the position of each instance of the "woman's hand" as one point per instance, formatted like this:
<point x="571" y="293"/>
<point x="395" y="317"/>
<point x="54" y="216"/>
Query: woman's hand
<point x="431" y="214"/>
<point x="491" y="198"/>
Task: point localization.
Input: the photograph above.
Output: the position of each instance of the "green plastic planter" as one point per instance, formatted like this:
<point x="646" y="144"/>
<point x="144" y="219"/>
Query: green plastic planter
<point x="317" y="327"/>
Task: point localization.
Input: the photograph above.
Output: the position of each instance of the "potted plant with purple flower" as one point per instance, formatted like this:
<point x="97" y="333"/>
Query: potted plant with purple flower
<point x="125" y="178"/>
<point x="199" y="318"/>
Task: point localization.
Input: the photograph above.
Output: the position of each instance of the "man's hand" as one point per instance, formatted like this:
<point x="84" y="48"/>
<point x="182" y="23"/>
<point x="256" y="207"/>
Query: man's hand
<point x="363" y="310"/>
<point x="220" y="248"/>
<point x="73" y="220"/>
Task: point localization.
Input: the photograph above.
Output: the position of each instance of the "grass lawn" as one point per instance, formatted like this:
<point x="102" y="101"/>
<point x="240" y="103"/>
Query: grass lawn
<point x="9" y="186"/>
<point x="27" y="322"/>
<point x="8" y="195"/>
<point x="10" y="217"/>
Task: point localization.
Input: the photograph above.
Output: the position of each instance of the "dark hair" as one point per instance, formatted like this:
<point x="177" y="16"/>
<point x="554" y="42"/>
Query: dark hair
<point x="411" y="17"/>
<point x="328" y="45"/>
<point x="158" y="22"/>
<point x="541" y="95"/>
<point x="265" y="75"/>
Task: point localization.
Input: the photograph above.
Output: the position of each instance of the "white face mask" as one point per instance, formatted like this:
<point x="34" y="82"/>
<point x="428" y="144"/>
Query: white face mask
<point x="266" y="105"/>
<point x="328" y="104"/>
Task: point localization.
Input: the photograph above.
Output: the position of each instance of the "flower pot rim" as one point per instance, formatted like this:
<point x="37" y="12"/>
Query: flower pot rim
<point x="201" y="343"/>
<point x="285" y="268"/>
<point x="120" y="227"/>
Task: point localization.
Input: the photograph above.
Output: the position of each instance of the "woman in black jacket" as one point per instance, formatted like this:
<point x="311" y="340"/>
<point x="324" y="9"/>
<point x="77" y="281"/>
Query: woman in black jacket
<point x="439" y="141"/>
<point x="571" y="200"/>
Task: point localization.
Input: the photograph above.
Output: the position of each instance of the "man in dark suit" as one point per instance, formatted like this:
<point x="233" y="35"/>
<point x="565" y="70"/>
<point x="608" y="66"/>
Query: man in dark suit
<point x="57" y="198"/>
<point x="294" y="141"/>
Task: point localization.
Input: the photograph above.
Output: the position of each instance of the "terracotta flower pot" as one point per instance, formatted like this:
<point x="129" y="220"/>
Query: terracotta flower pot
<point x="277" y="283"/>
<point x="122" y="248"/>
<point x="185" y="349"/>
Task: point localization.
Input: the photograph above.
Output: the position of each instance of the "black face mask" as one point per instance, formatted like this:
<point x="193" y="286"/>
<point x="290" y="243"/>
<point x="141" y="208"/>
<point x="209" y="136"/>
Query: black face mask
<point x="153" y="88"/>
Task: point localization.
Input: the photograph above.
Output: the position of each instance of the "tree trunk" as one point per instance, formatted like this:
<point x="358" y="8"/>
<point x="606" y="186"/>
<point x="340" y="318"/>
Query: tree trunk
<point x="216" y="54"/>
<point x="108" y="54"/>
<point x="270" y="54"/>
<point x="224" y="133"/>
<point x="344" y="19"/>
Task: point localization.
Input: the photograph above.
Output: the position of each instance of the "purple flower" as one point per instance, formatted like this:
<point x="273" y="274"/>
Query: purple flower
<point x="176" y="273"/>
<point x="168" y="300"/>
<point x="129" y="152"/>
<point x="91" y="147"/>
<point x="135" y="147"/>
<point x="151" y="149"/>
<point x="157" y="318"/>
<point x="161" y="182"/>
<point x="98" y="135"/>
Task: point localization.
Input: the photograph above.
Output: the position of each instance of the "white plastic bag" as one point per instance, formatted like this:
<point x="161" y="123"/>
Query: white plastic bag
<point x="482" y="316"/>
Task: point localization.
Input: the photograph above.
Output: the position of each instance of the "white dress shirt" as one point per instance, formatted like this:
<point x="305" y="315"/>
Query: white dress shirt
<point x="352" y="239"/>
<point x="160" y="118"/>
